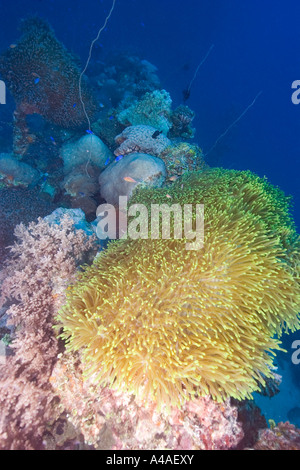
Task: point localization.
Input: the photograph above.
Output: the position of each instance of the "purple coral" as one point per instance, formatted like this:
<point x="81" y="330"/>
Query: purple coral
<point x="144" y="139"/>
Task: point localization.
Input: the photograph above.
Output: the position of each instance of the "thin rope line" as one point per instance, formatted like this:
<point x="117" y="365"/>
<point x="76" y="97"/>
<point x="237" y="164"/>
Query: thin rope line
<point x="201" y="63"/>
<point x="83" y="72"/>
<point x="232" y="124"/>
<point x="88" y="61"/>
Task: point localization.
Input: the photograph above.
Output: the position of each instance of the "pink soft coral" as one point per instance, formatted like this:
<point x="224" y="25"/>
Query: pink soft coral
<point x="115" y="420"/>
<point x="43" y="261"/>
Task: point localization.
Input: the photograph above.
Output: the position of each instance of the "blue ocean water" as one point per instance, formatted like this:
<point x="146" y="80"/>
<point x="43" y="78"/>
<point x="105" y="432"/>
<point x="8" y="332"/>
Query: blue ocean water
<point x="245" y="117"/>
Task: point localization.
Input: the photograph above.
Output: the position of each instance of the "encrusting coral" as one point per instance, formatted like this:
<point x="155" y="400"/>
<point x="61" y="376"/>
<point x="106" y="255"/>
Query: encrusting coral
<point x="142" y="139"/>
<point x="181" y="158"/>
<point x="283" y="436"/>
<point x="109" y="419"/>
<point x="164" y="322"/>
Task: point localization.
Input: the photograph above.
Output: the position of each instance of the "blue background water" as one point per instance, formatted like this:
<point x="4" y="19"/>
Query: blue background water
<point x="256" y="48"/>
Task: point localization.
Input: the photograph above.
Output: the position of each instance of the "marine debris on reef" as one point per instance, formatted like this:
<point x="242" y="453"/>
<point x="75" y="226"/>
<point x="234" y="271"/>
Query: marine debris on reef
<point x="152" y="346"/>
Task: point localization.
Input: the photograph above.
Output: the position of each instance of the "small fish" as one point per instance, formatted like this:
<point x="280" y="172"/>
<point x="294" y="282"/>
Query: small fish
<point x="119" y="157"/>
<point x="173" y="178"/>
<point x="185" y="67"/>
<point x="74" y="105"/>
<point x="111" y="118"/>
<point x="156" y="134"/>
<point x="168" y="195"/>
<point x="12" y="46"/>
<point x="37" y="80"/>
<point x="186" y="94"/>
<point x="88" y="131"/>
<point x="107" y="161"/>
<point x="101" y="105"/>
<point x="129" y="179"/>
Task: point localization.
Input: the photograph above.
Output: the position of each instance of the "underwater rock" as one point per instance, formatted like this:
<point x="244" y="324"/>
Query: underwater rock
<point x="145" y="139"/>
<point x="88" y="149"/>
<point x="154" y="109"/>
<point x="122" y="177"/>
<point x="15" y="173"/>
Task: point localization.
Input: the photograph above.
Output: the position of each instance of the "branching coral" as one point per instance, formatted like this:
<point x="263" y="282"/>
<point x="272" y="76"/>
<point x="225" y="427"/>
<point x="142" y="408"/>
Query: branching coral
<point x="162" y="321"/>
<point x="43" y="260"/>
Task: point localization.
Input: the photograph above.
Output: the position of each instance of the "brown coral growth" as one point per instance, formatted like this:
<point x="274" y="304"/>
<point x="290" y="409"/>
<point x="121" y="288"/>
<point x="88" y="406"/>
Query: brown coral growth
<point x="44" y="77"/>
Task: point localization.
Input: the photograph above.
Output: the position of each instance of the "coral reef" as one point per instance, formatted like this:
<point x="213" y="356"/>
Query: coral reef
<point x="154" y="109"/>
<point x="123" y="75"/>
<point x="181" y="158"/>
<point x="43" y="78"/>
<point x="43" y="261"/>
<point x="182" y="118"/>
<point x="153" y="346"/>
<point x="19" y="205"/>
<point x="83" y="160"/>
<point x="81" y="187"/>
<point x="283" y="436"/>
<point x="15" y="173"/>
<point x="252" y="421"/>
<point x="134" y="170"/>
<point x="141" y="139"/>
<point x="89" y="149"/>
<point x="117" y="420"/>
<point x="163" y="322"/>
<point x="107" y="127"/>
